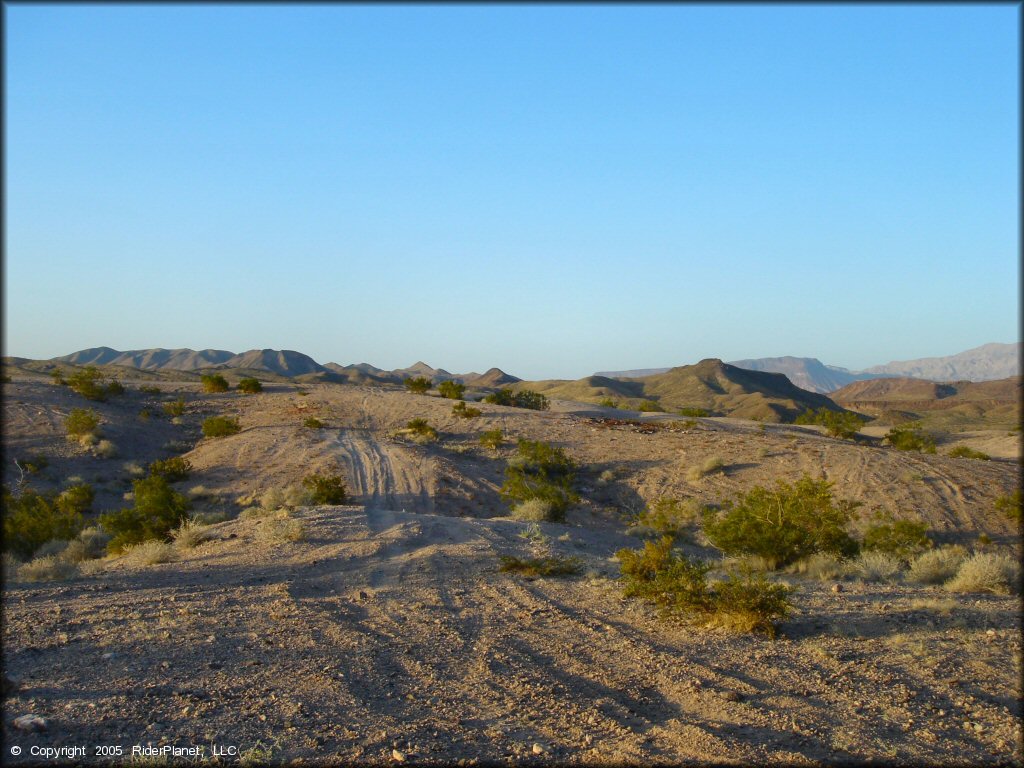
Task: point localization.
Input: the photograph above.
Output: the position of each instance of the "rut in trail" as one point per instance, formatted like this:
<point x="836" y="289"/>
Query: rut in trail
<point x="386" y="476"/>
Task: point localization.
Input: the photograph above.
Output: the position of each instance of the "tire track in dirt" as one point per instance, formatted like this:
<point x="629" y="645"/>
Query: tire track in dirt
<point x="386" y="476"/>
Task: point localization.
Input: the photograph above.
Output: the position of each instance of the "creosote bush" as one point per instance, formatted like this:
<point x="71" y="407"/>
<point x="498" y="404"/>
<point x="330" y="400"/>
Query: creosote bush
<point x="694" y="412"/>
<point x="174" y="408"/>
<point x="88" y="382"/>
<point x="422" y="429"/>
<point x="221" y="426"/>
<point x="451" y="389"/>
<point x="523" y="399"/>
<point x="964" y="452"/>
<point x="81" y="421"/>
<point x="313" y="423"/>
<point x="492" y="438"/>
<point x="843" y="424"/>
<point x="214" y="382"/>
<point x="34" y="464"/>
<point x="325" y="489"/>
<point x="910" y="437"/>
<point x="1010" y="506"/>
<point x="902" y="538"/>
<point x="649" y="406"/>
<point x="668" y="516"/>
<point x="173" y="469"/>
<point x="250" y="386"/>
<point x="418" y="385"/>
<point x="157" y="510"/>
<point x="464" y="411"/>
<point x="541" y="471"/>
<point x="32" y="519"/>
<point x="783" y="524"/>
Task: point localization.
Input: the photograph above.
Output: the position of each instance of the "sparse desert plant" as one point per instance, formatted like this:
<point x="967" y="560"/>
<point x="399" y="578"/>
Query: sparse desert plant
<point x="822" y="566"/>
<point x="937" y="565"/>
<point x="51" y="548"/>
<point x="106" y="449"/>
<point x="844" y="424"/>
<point x="901" y="538"/>
<point x="58" y="377"/>
<point x="211" y="518"/>
<point x="552" y="565"/>
<point x="250" y="386"/>
<point x="31" y="519"/>
<point x="783" y="524"/>
<point x="221" y="426"/>
<point x="1010" y="506"/>
<point x="910" y="437"/>
<point x="81" y="421"/>
<point x="325" y="489"/>
<point x="533" y="534"/>
<point x="526" y="398"/>
<point x="965" y="452"/>
<point x="11" y="564"/>
<point x="422" y="429"/>
<point x="492" y="438"/>
<point x="710" y="466"/>
<point x="173" y="469"/>
<point x="51" y="568"/>
<point x="88" y="382"/>
<point x="986" y="572"/>
<point x="418" y="385"/>
<point x="157" y="510"/>
<point x="541" y="471"/>
<point x="668" y="516"/>
<point x="464" y="411"/>
<point x="144" y="414"/>
<point x="175" y="408"/>
<point x="533" y="510"/>
<point x="763" y="453"/>
<point x="254" y="513"/>
<point x="694" y="412"/>
<point x="281" y="528"/>
<point x="149" y="389"/>
<point x="876" y="565"/>
<point x="88" y="440"/>
<point x="649" y="406"/>
<point x="190" y="534"/>
<point x="607" y="402"/>
<point x="94" y="542"/>
<point x="151" y="552"/>
<point x="214" y="382"/>
<point x="34" y="464"/>
<point x="452" y="390"/>
<point x="313" y="423"/>
<point x="607" y="476"/>
<point x="749" y="602"/>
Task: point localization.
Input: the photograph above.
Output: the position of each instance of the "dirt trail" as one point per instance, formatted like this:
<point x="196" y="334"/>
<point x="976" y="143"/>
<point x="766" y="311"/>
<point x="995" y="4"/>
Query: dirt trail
<point x="386" y="476"/>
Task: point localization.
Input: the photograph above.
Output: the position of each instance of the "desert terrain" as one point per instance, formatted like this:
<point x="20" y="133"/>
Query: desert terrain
<point x="387" y="634"/>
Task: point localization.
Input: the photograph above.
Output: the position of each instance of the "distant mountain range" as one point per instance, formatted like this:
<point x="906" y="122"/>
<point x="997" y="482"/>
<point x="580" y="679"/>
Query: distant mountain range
<point x="985" y="363"/>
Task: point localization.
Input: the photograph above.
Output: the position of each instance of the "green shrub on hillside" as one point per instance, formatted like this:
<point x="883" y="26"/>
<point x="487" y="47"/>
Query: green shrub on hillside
<point x="313" y="423"/>
<point x="838" y="424"/>
<point x="525" y="399"/>
<point x="325" y="489"/>
<point x="694" y="412"/>
<point x="81" y="421"/>
<point x="158" y="509"/>
<point x="910" y="437"/>
<point x="149" y="389"/>
<point x="669" y="517"/>
<point x="607" y="402"/>
<point x="214" y="382"/>
<point x="88" y="382"/>
<point x="172" y="470"/>
<point x="418" y="385"/>
<point x="783" y="524"/>
<point x="964" y="452"/>
<point x="221" y="426"/>
<point x="492" y="438"/>
<point x="901" y="538"/>
<point x="174" y="408"/>
<point x="464" y="411"/>
<point x="32" y="519"/>
<point x="451" y="389"/>
<point x="421" y="428"/>
<point x="650" y="406"/>
<point x="250" y="386"/>
<point x="1010" y="506"/>
<point x="541" y="471"/>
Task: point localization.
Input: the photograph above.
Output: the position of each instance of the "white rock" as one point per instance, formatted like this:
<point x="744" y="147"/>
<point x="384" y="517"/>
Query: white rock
<point x="30" y="723"/>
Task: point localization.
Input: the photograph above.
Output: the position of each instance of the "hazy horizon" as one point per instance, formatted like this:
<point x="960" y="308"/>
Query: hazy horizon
<point x="553" y="190"/>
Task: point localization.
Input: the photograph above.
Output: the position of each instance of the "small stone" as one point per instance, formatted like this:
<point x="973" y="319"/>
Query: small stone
<point x="211" y="639"/>
<point x="363" y="596"/>
<point x="538" y="749"/>
<point x="837" y="587"/>
<point x="397" y="756"/>
<point x="731" y="696"/>
<point x="30" y="723"/>
<point x="108" y="656"/>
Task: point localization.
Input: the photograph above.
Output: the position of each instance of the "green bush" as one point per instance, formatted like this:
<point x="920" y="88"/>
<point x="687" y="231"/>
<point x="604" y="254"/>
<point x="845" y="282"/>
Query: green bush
<point x="464" y="411"/>
<point x="88" y="382"/>
<point x="81" y="421"/>
<point x="910" y="437"/>
<point x="326" y="489"/>
<point x="525" y="399"/>
<point x="452" y="390"/>
<point x="313" y="423"/>
<point x="214" y="382"/>
<point x="421" y="428"/>
<point x="783" y="524"/>
<point x="158" y="509"/>
<point x="32" y="519"/>
<point x="220" y="426"/>
<point x="963" y="452"/>
<point x="649" y="406"/>
<point x="492" y="438"/>
<point x="694" y="412"/>
<point x="541" y="566"/>
<point x="250" y="386"/>
<point x="669" y="517"/>
<point x="607" y="402"/>
<point x="418" y="385"/>
<point x="845" y="424"/>
<point x="541" y="471"/>
<point x="901" y="538"/>
<point x="1010" y="506"/>
<point x="172" y="470"/>
<point x="149" y="389"/>
<point x="174" y="408"/>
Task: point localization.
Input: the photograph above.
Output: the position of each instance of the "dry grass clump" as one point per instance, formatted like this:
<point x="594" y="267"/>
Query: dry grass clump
<point x="606" y="477"/>
<point x="986" y="572"/>
<point x="823" y="566"/>
<point x="134" y="469"/>
<point x="106" y="449"/>
<point x="710" y="466"/>
<point x="152" y="552"/>
<point x="747" y="563"/>
<point x="875" y="565"/>
<point x="937" y="565"/>
<point x="87" y="440"/>
<point x="532" y="510"/>
<point x="190" y="534"/>
<point x="51" y="568"/>
<point x="52" y="548"/>
<point x="255" y="513"/>
<point x="541" y="566"/>
<point x="11" y="564"/>
<point x="945" y="606"/>
<point x="211" y="518"/>
<point x="281" y="528"/>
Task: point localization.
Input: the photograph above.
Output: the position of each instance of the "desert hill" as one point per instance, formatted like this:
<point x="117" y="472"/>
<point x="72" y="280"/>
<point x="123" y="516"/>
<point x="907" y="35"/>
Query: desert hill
<point x="149" y="359"/>
<point x="285" y="362"/>
<point x="806" y="372"/>
<point x="984" y="363"/>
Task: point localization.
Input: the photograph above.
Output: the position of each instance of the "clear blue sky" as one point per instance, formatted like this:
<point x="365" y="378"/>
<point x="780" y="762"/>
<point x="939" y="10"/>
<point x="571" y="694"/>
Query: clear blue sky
<point x="552" y="190"/>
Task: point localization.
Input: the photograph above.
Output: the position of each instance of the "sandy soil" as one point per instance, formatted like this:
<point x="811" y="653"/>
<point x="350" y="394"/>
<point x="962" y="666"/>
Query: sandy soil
<point x="388" y="634"/>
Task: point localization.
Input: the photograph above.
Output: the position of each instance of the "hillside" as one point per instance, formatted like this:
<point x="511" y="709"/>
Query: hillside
<point x="806" y="372"/>
<point x="282" y="362"/>
<point x="984" y="363"/>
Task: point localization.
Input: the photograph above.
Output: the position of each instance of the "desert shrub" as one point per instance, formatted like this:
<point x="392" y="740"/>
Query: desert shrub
<point x="749" y="602"/>
<point x="710" y="466"/>
<point x="650" y="406"/>
<point x="821" y="566"/>
<point x="174" y="408"/>
<point x="145" y="414"/>
<point x="552" y="565"/>
<point x="541" y="471"/>
<point x="876" y="565"/>
<point x="492" y="438"/>
<point x="221" y="426"/>
<point x="149" y="389"/>
<point x="173" y="469"/>
<point x="524" y="399"/>
<point x="964" y="452"/>
<point x="191" y="533"/>
<point x="421" y="428"/>
<point x="901" y="538"/>
<point x="94" y="542"/>
<point x="694" y="412"/>
<point x="81" y="421"/>
<point x="607" y="476"/>
<point x="784" y="523"/>
<point x="52" y="568"/>
<point x="151" y="552"/>
<point x="1010" y="506"/>
<point x="465" y="411"/>
<point x="937" y="565"/>
<point x="843" y="424"/>
<point x="313" y="423"/>
<point x="418" y="385"/>
<point x="281" y="528"/>
<point x="88" y="382"/>
<point x="214" y="382"/>
<point x="607" y="402"/>
<point x="157" y="510"/>
<point x="51" y="548"/>
<point x="669" y="517"/>
<point x="986" y="572"/>
<point x="250" y="386"/>
<point x="533" y="511"/>
<point x="451" y="389"/>
<point x="325" y="489"/>
<point x="32" y="519"/>
<point x="910" y="437"/>
<point x="106" y="449"/>
<point x="115" y="387"/>
<point x="211" y="518"/>
<point x="34" y="464"/>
